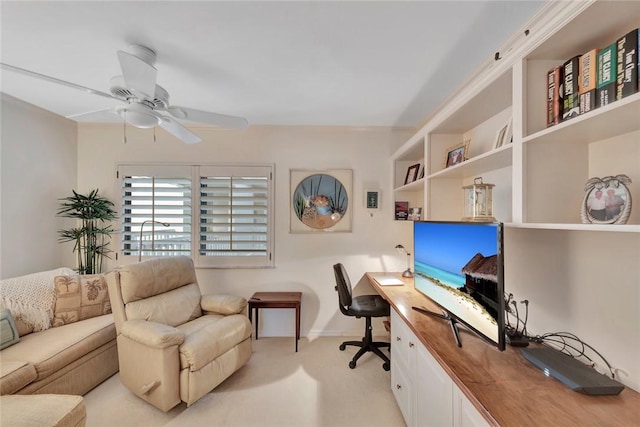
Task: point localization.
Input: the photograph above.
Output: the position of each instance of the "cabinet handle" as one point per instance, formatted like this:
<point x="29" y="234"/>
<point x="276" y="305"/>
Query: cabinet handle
<point x="410" y="344"/>
<point x="398" y="386"/>
<point x="398" y="339"/>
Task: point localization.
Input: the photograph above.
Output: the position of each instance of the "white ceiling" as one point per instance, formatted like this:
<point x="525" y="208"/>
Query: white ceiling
<point x="359" y="63"/>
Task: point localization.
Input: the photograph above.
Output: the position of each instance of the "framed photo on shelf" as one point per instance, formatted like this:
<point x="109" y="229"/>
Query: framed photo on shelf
<point x="457" y="154"/>
<point x="402" y="210"/>
<point x="412" y="173"/>
<point x="504" y="135"/>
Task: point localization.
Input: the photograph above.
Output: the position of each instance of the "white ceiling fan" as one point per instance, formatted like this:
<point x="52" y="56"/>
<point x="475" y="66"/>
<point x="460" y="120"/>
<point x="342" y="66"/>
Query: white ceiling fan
<point x="146" y="104"/>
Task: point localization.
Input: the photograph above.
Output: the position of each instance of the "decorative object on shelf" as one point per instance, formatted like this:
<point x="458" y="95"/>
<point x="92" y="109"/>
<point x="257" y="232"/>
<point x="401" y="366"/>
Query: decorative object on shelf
<point x="165" y="224"/>
<point x="92" y="237"/>
<point x="478" y="201"/>
<point x="407" y="272"/>
<point x="412" y="173"/>
<point x="504" y="135"/>
<point x="421" y="173"/>
<point x="320" y="200"/>
<point x="606" y="200"/>
<point x="372" y="200"/>
<point x="402" y="210"/>
<point x="414" y="214"/>
<point x="457" y="154"/>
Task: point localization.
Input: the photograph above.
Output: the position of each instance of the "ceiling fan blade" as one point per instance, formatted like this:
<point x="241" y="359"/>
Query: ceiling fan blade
<point x="179" y="131"/>
<point x="54" y="80"/>
<point x="139" y="76"/>
<point x="206" y="117"/>
<point x="106" y="113"/>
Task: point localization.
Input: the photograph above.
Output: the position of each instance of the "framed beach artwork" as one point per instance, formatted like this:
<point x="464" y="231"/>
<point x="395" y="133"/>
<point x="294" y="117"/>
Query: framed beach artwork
<point x="321" y="200"/>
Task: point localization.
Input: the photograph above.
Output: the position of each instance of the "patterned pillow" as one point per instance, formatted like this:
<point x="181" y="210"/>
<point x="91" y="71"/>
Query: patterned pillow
<point x="80" y="297"/>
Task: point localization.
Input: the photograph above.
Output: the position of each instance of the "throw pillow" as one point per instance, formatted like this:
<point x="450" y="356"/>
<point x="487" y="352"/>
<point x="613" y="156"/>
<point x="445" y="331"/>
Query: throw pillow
<point x="8" y="332"/>
<point x="80" y="297"/>
<point x="31" y="298"/>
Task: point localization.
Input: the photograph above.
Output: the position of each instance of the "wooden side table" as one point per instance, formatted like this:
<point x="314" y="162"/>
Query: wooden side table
<point x="276" y="300"/>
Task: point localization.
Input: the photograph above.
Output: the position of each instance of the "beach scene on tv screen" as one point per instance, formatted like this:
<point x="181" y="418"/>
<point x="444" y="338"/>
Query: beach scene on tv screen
<point x="456" y="265"/>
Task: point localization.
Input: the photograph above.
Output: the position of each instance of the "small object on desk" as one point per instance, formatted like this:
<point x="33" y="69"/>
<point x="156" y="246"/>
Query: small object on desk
<point x="388" y="281"/>
<point x="276" y="300"/>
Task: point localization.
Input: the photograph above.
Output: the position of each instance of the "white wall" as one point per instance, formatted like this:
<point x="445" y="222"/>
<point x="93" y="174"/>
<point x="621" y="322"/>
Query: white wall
<point x="303" y="261"/>
<point x="38" y="166"/>
<point x="583" y="282"/>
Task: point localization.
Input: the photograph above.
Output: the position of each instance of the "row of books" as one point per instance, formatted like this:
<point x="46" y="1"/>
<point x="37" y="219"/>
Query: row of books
<point x="593" y="79"/>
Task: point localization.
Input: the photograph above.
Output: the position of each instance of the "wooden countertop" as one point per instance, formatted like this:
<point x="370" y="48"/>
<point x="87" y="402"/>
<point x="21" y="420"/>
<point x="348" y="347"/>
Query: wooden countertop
<point x="505" y="388"/>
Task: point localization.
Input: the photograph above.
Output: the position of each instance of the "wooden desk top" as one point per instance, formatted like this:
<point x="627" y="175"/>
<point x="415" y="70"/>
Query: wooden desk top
<point x="276" y="298"/>
<point x="503" y="386"/>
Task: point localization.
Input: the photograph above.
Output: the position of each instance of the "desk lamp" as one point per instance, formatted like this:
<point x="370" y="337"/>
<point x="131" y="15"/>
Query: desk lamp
<point x="166" y="224"/>
<point x="407" y="272"/>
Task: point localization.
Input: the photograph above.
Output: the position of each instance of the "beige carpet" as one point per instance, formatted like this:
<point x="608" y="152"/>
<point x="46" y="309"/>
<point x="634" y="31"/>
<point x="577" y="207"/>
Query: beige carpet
<point x="277" y="387"/>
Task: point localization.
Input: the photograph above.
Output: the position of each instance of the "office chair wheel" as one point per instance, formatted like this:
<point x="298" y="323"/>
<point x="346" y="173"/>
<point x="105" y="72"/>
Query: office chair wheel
<point x="386" y="366"/>
<point x="352" y="364"/>
<point x="342" y="347"/>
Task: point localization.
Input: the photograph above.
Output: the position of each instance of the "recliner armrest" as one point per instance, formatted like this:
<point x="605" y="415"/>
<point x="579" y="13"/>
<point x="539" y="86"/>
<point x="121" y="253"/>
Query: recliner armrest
<point x="152" y="334"/>
<point x="223" y="304"/>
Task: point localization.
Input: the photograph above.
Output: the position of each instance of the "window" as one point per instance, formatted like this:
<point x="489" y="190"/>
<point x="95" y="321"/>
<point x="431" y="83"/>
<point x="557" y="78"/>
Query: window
<point x="218" y="215"/>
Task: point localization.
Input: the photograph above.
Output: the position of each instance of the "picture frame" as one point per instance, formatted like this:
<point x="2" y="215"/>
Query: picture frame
<point x="606" y="200"/>
<point x="504" y="135"/>
<point x="321" y="200"/>
<point x="412" y="173"/>
<point x="372" y="199"/>
<point x="456" y="154"/>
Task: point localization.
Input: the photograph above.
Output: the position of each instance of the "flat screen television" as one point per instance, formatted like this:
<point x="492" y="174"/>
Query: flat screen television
<point x="460" y="267"/>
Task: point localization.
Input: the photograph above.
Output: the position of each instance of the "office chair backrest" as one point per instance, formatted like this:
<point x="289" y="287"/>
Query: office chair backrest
<point x="343" y="286"/>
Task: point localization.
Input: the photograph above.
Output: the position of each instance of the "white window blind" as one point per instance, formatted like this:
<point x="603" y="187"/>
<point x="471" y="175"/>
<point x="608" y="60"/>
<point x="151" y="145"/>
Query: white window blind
<point x="234" y="214"/>
<point x="230" y="226"/>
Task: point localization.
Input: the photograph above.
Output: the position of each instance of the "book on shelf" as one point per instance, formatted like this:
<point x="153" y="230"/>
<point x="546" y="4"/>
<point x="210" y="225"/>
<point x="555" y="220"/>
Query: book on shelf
<point x="571" y="94"/>
<point x="627" y="69"/>
<point x="415" y="214"/>
<point x="587" y="80"/>
<point x="554" y="96"/>
<point x="606" y="84"/>
<point x="402" y="210"/>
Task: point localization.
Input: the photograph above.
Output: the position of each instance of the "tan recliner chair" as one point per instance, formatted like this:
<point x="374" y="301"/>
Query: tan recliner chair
<point x="175" y="344"/>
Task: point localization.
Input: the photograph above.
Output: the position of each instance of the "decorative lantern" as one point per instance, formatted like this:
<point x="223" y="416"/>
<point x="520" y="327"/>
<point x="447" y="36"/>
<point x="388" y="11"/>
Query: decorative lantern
<point x="478" y="201"/>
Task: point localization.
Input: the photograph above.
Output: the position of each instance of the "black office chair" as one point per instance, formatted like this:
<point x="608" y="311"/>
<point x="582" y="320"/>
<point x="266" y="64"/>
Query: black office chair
<point x="366" y="306"/>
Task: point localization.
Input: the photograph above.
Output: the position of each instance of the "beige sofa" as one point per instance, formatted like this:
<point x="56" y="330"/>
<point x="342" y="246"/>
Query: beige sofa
<point x="68" y="359"/>
<point x="175" y="344"/>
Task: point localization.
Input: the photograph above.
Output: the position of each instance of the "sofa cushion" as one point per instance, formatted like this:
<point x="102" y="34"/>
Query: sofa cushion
<point x="52" y="349"/>
<point x="15" y="374"/>
<point x="80" y="297"/>
<point x="209" y="336"/>
<point x="8" y="331"/>
<point x="31" y="298"/>
<point x="55" y="410"/>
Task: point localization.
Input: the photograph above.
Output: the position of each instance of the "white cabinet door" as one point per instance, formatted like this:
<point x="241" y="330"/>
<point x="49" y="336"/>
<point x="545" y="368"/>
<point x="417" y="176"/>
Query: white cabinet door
<point x="464" y="413"/>
<point x="433" y="392"/>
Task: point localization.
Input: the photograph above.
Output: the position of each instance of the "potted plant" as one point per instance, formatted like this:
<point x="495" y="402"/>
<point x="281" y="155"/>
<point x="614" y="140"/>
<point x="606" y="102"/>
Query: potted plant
<point x="92" y="236"/>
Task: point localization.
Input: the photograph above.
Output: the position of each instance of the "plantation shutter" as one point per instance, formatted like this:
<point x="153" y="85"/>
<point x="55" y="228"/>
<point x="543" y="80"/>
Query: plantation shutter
<point x="234" y="227"/>
<point x="156" y="210"/>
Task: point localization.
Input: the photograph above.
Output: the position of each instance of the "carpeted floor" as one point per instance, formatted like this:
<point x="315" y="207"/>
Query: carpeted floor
<point x="277" y="387"/>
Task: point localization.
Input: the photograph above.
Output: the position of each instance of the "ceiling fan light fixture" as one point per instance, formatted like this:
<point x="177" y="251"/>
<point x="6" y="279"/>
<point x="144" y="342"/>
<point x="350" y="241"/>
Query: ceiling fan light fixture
<point x="139" y="116"/>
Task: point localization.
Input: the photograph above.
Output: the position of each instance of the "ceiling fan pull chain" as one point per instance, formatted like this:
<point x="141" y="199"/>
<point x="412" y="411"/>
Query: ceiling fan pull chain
<point x="124" y="128"/>
<point x="154" y="134"/>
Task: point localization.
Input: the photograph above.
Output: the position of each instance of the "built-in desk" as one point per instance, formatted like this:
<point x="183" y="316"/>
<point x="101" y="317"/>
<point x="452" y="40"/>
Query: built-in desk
<point x="505" y="388"/>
